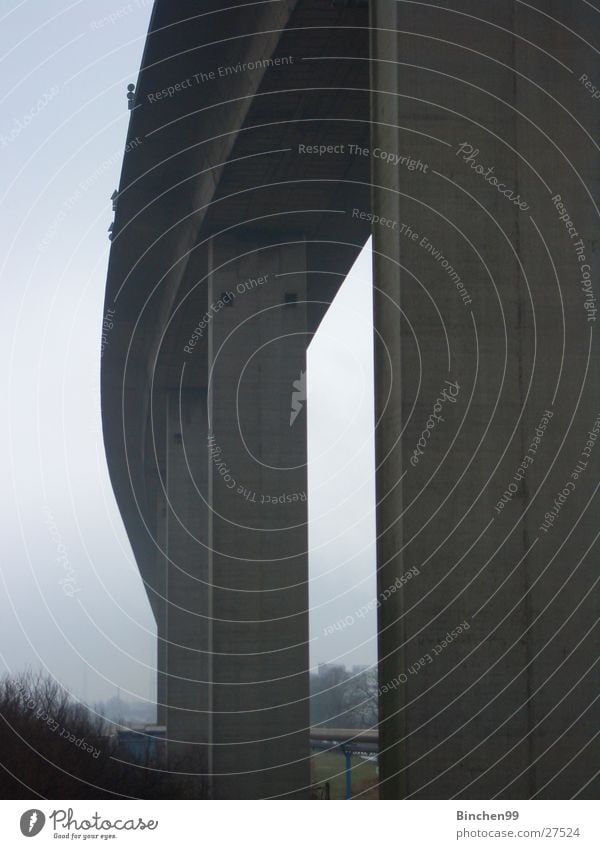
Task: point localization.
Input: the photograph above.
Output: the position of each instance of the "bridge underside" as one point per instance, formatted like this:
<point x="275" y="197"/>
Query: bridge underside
<point x="250" y="171"/>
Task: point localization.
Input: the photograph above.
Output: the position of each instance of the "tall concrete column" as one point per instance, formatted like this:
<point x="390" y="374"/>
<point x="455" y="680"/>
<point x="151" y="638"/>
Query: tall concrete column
<point x="487" y="397"/>
<point x="258" y="558"/>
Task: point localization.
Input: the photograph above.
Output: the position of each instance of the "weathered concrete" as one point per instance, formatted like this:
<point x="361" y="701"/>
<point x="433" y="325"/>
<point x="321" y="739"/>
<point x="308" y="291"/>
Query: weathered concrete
<point x="264" y="174"/>
<point x="506" y="707"/>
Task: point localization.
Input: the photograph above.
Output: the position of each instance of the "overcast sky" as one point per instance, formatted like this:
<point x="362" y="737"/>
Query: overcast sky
<point x="71" y="598"/>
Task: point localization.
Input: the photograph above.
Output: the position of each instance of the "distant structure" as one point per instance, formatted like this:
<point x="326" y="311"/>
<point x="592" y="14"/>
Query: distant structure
<point x="271" y="140"/>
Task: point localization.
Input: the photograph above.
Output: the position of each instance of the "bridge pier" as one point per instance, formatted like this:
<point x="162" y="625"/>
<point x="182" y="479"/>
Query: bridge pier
<point x="258" y="553"/>
<point x="481" y="150"/>
<point x="486" y="383"/>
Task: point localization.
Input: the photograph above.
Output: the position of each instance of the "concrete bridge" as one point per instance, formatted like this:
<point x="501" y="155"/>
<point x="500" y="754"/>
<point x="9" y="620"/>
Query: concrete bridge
<point x="267" y="142"/>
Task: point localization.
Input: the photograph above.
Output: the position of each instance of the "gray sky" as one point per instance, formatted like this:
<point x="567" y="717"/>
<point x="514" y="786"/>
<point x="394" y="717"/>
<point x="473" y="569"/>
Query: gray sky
<point x="71" y="598"/>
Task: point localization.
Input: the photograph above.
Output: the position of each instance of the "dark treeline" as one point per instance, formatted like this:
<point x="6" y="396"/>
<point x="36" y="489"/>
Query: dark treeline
<point x="54" y="748"/>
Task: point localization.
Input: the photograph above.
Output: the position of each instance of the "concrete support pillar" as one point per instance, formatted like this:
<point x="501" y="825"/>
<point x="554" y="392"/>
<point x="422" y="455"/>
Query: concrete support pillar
<point x="487" y="397"/>
<point x="186" y="623"/>
<point x="258" y="557"/>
